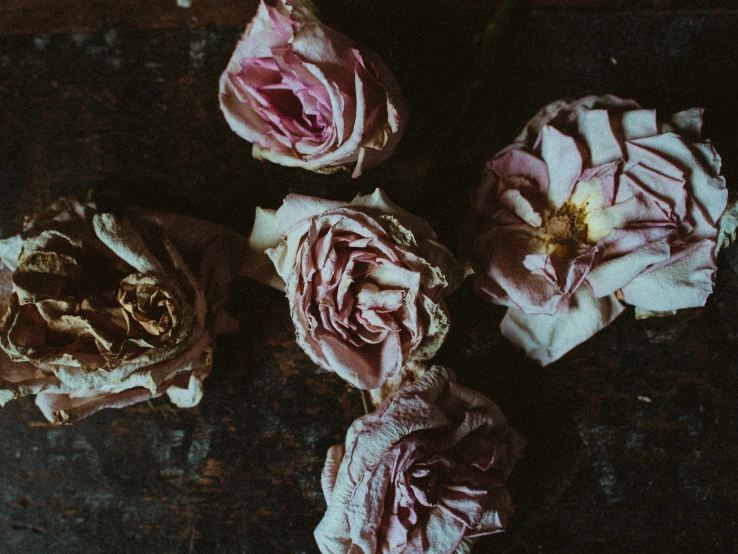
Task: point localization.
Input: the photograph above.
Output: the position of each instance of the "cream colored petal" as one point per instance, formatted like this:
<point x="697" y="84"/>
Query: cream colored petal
<point x="126" y="243"/>
<point x="10" y="251"/>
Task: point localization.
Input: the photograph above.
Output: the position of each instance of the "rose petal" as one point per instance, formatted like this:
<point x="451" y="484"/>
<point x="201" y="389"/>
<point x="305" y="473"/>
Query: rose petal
<point x="548" y="337"/>
<point x="126" y="243"/>
<point x="507" y="246"/>
<point x="330" y="470"/>
<point x="638" y="124"/>
<point x="519" y="162"/>
<point x="297" y="208"/>
<point x="564" y="163"/>
<point x="62" y="408"/>
<point x="611" y="275"/>
<point x="706" y="190"/>
<point x="594" y="126"/>
<point x="10" y="251"/>
<point x="685" y="283"/>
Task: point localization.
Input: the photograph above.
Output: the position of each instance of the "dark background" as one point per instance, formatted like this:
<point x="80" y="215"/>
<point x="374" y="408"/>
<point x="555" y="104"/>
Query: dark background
<point x="633" y="436"/>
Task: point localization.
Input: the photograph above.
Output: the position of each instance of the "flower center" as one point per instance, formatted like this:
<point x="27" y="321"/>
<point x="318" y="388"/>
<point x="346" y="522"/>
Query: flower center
<point x="146" y="303"/>
<point x="566" y="228"/>
<point x="559" y="229"/>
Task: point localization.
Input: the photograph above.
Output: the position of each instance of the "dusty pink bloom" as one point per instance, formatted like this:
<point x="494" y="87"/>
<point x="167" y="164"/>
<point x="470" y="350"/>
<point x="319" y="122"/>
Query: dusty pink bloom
<point x="595" y="205"/>
<point x="365" y="281"/>
<point x="305" y="96"/>
<point x="98" y="311"/>
<point x="425" y="472"/>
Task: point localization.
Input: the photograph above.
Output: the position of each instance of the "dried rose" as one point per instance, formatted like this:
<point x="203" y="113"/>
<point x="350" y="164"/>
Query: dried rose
<point x="426" y="472"/>
<point x="365" y="281"/>
<point x="101" y="311"/>
<point x="307" y="97"/>
<point x="596" y="204"/>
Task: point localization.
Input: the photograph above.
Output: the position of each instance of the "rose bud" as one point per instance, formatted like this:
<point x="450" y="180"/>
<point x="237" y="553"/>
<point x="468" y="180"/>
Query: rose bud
<point x="365" y="282"/>
<point x="307" y="97"/>
<point x="597" y="204"/>
<point x="425" y="472"/>
<point x="100" y="311"/>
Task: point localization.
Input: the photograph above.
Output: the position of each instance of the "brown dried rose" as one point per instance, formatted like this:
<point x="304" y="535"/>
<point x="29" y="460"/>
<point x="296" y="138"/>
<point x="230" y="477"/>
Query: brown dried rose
<point x="101" y="311"/>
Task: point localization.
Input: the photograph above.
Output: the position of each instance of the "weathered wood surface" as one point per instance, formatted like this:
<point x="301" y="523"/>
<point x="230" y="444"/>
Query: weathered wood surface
<point x="633" y="437"/>
<point x="19" y="17"/>
<point x="52" y="16"/>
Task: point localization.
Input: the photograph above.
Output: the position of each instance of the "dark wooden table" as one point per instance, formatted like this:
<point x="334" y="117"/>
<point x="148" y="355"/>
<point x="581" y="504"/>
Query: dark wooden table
<point x="633" y="437"/>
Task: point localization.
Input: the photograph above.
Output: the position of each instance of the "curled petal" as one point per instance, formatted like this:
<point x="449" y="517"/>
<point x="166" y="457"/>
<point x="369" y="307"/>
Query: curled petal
<point x="546" y="338"/>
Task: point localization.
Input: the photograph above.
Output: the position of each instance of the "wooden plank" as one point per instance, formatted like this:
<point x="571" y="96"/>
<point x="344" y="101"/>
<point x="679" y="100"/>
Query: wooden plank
<point x="19" y="17"/>
<point x="55" y="16"/>
<point x="662" y="6"/>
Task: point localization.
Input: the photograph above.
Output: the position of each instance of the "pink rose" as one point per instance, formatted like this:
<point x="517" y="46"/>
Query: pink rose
<point x="100" y="311"/>
<point x="305" y="96"/>
<point x="425" y="472"/>
<point x="596" y="204"/>
<point x="365" y="281"/>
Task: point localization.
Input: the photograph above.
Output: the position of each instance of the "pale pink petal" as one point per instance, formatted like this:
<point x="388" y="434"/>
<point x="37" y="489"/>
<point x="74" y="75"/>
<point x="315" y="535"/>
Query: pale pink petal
<point x="548" y="337"/>
<point x="707" y="190"/>
<point x="330" y="470"/>
<point x="611" y="275"/>
<point x="685" y="283"/>
<point x="521" y="163"/>
<point x="379" y="203"/>
<point x="243" y="119"/>
<point x="564" y="162"/>
<point x="638" y="124"/>
<point x="521" y="207"/>
<point x="540" y="264"/>
<point x="502" y="252"/>
<point x="264" y="235"/>
<point x="665" y="190"/>
<point x="594" y="127"/>
<point x="321" y="45"/>
<point x="397" y="117"/>
<point x="365" y="368"/>
<point x="10" y="250"/>
<point x="296" y="208"/>
<point x="18" y="379"/>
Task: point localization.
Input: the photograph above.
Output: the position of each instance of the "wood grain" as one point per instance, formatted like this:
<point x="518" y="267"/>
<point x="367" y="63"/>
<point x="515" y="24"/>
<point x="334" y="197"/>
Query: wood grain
<point x="53" y="16"/>
<point x="19" y="17"/>
<point x="632" y="437"/>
